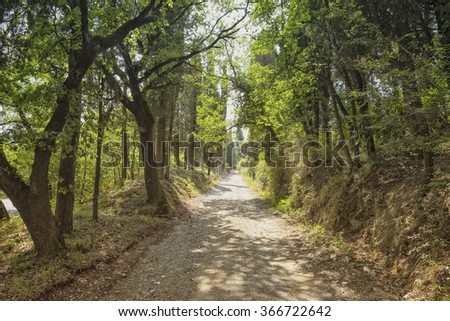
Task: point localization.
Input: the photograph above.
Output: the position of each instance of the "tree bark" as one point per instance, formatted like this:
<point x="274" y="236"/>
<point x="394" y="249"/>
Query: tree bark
<point x="176" y="149"/>
<point x="135" y="157"/>
<point x="185" y="157"/>
<point x="366" y="124"/>
<point x="337" y="115"/>
<point x="98" y="162"/>
<point x="146" y="124"/>
<point x="102" y="120"/>
<point x="173" y="102"/>
<point x="84" y="180"/>
<point x="65" y="197"/>
<point x="34" y="207"/>
<point x="155" y="194"/>
<point x="160" y="146"/>
<point x="125" y="156"/>
<point x="192" y="163"/>
<point x="420" y="128"/>
<point x="44" y="229"/>
<point x="354" y="126"/>
<point x="4" y="215"/>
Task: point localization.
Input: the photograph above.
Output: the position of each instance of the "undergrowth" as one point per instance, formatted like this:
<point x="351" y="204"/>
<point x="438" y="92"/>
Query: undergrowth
<point x="125" y="220"/>
<point x="386" y="211"/>
<point x="315" y="231"/>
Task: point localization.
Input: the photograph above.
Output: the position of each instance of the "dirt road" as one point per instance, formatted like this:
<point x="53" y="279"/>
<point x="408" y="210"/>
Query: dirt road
<point x="234" y="247"/>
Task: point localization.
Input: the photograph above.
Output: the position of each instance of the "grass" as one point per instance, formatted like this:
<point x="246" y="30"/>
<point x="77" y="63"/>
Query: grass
<point x="387" y="212"/>
<point x="263" y="193"/>
<point x="125" y="220"/>
<point x="316" y="231"/>
<point x="194" y="182"/>
<point x="14" y="239"/>
<point x="25" y="276"/>
<point x="319" y="232"/>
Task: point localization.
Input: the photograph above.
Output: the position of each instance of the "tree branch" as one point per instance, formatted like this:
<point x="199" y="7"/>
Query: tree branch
<point x="120" y="33"/>
<point x="84" y="22"/>
<point x="223" y="34"/>
<point x="10" y="180"/>
<point x="115" y="86"/>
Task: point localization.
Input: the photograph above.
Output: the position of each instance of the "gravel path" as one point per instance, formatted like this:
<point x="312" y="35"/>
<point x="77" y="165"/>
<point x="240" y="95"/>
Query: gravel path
<point x="234" y="247"/>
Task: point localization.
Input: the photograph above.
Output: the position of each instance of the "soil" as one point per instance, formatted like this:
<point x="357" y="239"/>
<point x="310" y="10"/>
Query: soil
<point x="233" y="246"/>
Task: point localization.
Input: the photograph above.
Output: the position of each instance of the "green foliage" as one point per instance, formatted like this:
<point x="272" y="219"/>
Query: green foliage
<point x="212" y="102"/>
<point x="288" y="92"/>
<point x="369" y="76"/>
<point x="210" y="118"/>
<point x="352" y="68"/>
<point x="284" y="205"/>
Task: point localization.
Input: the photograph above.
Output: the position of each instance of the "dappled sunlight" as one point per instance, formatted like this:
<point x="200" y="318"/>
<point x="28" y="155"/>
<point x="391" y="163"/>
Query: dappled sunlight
<point x="250" y="257"/>
<point x="234" y="247"/>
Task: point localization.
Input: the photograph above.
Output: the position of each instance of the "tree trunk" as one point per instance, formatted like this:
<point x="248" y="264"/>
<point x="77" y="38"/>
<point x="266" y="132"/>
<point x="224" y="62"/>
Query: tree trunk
<point x="125" y="158"/>
<point x="355" y="131"/>
<point x="317" y="121"/>
<point x="155" y="194"/>
<point x="354" y="137"/>
<point x="4" y="215"/>
<point x="44" y="230"/>
<point x="146" y="125"/>
<point x="340" y="129"/>
<point x="366" y="124"/>
<point x="160" y="146"/>
<point x="35" y="210"/>
<point x="98" y="163"/>
<point x="135" y="159"/>
<point x="337" y="115"/>
<point x="191" y="152"/>
<point x="420" y="128"/>
<point x="83" y="183"/>
<point x="33" y="200"/>
<point x="210" y="155"/>
<point x="176" y="150"/>
<point x="173" y="103"/>
<point x="419" y="125"/>
<point x="33" y="203"/>
<point x="65" y="197"/>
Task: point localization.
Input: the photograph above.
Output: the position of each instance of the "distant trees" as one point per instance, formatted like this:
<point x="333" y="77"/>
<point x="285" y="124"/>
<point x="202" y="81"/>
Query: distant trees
<point x="375" y="73"/>
<point x="212" y="113"/>
<point x="152" y="82"/>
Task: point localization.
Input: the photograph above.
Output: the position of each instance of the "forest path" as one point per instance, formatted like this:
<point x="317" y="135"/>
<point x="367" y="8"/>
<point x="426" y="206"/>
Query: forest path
<point x="234" y="247"/>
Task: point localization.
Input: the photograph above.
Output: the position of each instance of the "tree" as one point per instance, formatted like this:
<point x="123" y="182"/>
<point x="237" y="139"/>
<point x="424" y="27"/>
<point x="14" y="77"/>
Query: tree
<point x="104" y="114"/>
<point x="32" y="197"/>
<point x="212" y="111"/>
<point x="4" y="215"/>
<point x="147" y="67"/>
<point x="365" y="69"/>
